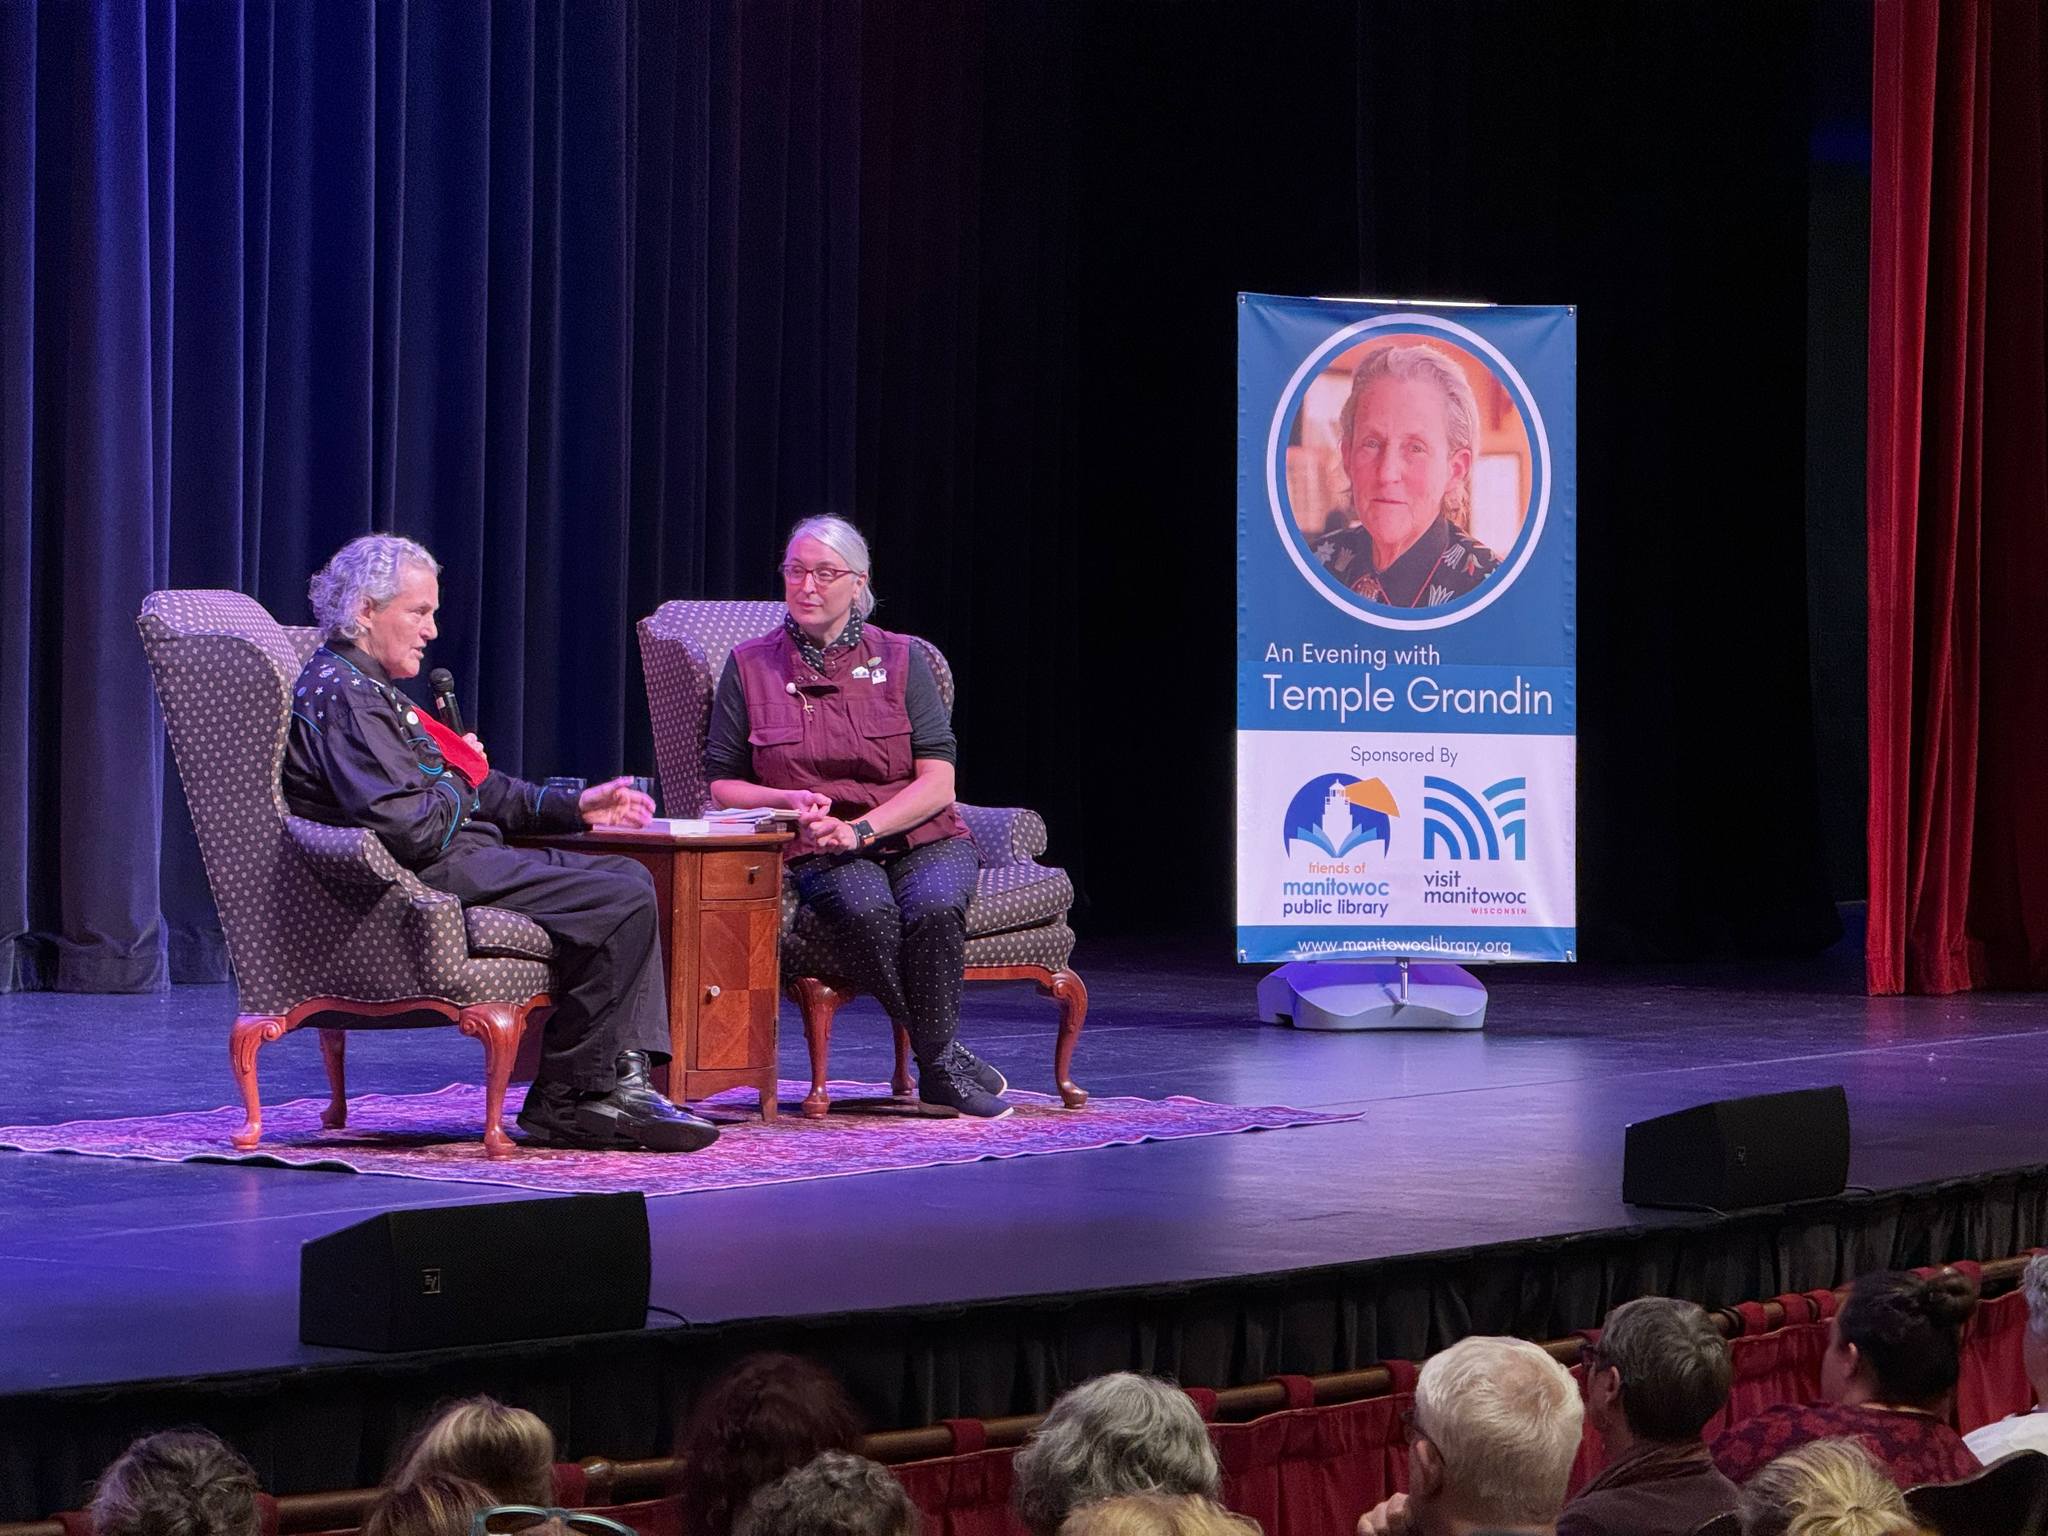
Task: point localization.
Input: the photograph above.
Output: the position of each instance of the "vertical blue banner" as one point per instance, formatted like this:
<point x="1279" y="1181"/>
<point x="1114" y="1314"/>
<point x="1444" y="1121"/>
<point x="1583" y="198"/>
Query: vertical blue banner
<point x="1407" y="497"/>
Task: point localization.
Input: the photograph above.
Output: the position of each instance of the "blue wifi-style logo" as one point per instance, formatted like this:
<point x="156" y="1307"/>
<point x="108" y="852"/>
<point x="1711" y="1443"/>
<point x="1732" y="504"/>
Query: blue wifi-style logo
<point x="1457" y="824"/>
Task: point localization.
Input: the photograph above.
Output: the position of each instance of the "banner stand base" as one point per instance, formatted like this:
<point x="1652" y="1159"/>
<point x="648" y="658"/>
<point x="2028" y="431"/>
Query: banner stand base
<point x="1373" y="994"/>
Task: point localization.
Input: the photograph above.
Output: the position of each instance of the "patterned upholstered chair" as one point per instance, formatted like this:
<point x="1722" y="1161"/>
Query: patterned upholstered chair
<point x="322" y="923"/>
<point x="1016" y="925"/>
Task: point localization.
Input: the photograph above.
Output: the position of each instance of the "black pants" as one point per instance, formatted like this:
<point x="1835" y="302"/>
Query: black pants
<point x="899" y="926"/>
<point x="610" y="992"/>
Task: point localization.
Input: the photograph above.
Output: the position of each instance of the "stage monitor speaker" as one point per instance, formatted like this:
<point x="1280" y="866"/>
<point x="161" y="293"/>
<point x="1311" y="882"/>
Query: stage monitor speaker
<point x="1767" y="1149"/>
<point x="435" y="1276"/>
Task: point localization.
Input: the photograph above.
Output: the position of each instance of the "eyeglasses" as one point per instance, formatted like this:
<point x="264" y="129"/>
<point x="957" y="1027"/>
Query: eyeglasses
<point x="511" y="1519"/>
<point x="823" y="575"/>
<point x="1410" y="1430"/>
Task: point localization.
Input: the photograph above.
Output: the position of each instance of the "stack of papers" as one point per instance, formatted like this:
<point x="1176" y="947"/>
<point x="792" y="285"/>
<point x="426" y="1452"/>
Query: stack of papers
<point x="722" y="823"/>
<point x="730" y="819"/>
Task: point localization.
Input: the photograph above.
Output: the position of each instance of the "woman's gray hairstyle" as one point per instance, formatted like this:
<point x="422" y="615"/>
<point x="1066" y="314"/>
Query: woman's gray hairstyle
<point x="1118" y="1434"/>
<point x="1505" y="1418"/>
<point x="834" y="1494"/>
<point x="844" y="540"/>
<point x="1674" y="1365"/>
<point x="2034" y="1281"/>
<point x="370" y="567"/>
<point x="1461" y="410"/>
<point x="181" y="1482"/>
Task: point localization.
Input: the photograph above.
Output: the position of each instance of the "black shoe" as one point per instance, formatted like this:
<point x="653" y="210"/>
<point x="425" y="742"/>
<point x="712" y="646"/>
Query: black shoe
<point x="962" y="1062"/>
<point x="632" y="1116"/>
<point x="941" y="1087"/>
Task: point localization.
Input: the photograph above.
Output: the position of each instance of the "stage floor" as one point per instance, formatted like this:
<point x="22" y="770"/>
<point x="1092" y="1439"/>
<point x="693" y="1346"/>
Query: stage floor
<point x="121" y="1272"/>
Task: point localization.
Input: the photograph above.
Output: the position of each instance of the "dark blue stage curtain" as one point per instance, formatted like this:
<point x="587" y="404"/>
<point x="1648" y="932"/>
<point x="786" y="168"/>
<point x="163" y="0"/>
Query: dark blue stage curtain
<point x="537" y="283"/>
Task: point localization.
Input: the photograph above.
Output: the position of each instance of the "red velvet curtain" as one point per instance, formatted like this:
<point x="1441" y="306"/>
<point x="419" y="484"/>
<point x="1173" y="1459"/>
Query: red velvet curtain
<point x="1958" y="487"/>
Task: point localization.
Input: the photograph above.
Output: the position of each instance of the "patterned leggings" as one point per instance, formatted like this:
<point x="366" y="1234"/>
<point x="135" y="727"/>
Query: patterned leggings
<point x="900" y="925"/>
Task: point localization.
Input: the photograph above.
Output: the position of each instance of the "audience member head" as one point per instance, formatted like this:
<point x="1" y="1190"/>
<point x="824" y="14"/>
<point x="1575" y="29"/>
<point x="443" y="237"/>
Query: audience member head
<point x="835" y="1493"/>
<point x="1824" y="1488"/>
<point x="181" y="1482"/>
<point x="1659" y="1371"/>
<point x="1898" y="1340"/>
<point x="435" y="1503"/>
<point x="1496" y="1429"/>
<point x="507" y="1450"/>
<point x="2034" y="1283"/>
<point x="1118" y="1434"/>
<point x="1157" y="1514"/>
<point x="768" y="1415"/>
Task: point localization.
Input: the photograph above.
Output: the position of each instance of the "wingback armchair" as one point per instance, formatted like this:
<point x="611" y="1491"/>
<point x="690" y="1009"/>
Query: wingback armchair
<point x="322" y="923"/>
<point x="1016" y="924"/>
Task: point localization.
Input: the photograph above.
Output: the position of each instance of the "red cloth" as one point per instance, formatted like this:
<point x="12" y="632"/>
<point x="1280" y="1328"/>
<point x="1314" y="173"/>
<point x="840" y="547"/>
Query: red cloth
<point x="571" y="1483"/>
<point x="1958" y="458"/>
<point x="1591" y="1460"/>
<point x="962" y="1495"/>
<point x="1314" y="1471"/>
<point x="1994" y="1373"/>
<point x="455" y="752"/>
<point x="1767" y="1368"/>
<point x="1913" y="1447"/>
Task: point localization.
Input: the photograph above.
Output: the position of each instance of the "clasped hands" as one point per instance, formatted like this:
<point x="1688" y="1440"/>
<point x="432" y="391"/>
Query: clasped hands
<point x="818" y="830"/>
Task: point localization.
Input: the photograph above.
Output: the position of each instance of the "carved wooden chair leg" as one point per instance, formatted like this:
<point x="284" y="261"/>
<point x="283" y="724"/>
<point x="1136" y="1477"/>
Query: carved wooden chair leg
<point x="817" y="1001"/>
<point x="498" y="1026"/>
<point x="899" y="1081"/>
<point x="248" y="1035"/>
<point x="334" y="1052"/>
<point x="1068" y="990"/>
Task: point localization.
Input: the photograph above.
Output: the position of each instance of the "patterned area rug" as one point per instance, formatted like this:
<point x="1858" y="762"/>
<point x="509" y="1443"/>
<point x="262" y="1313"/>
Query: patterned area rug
<point x="437" y="1136"/>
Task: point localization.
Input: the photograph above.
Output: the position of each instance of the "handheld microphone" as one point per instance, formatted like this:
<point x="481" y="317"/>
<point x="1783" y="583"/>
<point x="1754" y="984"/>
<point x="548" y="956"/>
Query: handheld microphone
<point x="442" y="682"/>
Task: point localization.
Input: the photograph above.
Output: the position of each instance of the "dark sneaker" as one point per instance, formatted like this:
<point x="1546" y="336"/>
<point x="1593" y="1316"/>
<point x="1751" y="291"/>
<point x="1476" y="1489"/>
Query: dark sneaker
<point x="962" y="1062"/>
<point x="941" y="1087"/>
<point x="632" y="1116"/>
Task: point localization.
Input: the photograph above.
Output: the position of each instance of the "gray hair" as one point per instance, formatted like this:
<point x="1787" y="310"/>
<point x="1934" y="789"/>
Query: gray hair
<point x="2034" y="1281"/>
<point x="182" y="1481"/>
<point x="1675" y="1371"/>
<point x="1461" y="410"/>
<point x="834" y="1494"/>
<point x="1505" y="1418"/>
<point x="1118" y="1434"/>
<point x="367" y="568"/>
<point x="845" y="541"/>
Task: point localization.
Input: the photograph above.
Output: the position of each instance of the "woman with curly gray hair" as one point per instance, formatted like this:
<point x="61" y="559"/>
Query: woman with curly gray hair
<point x="361" y="753"/>
<point x="834" y="1494"/>
<point x="1118" y="1434"/>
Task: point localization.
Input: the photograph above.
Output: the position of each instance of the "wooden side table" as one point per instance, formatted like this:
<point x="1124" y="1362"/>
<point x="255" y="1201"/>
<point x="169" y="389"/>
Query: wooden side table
<point x="721" y="925"/>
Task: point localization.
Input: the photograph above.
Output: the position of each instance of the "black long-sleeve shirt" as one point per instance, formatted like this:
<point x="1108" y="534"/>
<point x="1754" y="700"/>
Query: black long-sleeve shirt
<point x="358" y="757"/>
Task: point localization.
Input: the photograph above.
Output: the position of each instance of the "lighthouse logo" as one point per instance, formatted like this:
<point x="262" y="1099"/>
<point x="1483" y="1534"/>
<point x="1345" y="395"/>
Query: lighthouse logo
<point x="1336" y="813"/>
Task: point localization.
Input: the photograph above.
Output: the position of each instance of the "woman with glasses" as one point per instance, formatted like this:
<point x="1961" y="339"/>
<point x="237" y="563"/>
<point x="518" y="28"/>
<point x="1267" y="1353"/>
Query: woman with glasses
<point x="841" y="722"/>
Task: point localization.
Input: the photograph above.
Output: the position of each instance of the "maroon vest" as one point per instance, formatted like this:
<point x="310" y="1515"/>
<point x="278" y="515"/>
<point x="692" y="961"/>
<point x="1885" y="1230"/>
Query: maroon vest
<point x="842" y="735"/>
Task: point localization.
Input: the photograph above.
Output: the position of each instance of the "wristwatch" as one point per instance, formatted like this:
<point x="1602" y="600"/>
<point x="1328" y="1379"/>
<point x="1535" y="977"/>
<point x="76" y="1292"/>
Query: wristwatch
<point x="864" y="832"/>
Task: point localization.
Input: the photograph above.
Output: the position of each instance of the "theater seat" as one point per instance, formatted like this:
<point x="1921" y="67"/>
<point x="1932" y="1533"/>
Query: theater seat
<point x="2008" y="1497"/>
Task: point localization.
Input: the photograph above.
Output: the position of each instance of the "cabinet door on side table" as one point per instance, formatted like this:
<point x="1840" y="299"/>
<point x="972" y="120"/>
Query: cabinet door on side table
<point x="736" y="985"/>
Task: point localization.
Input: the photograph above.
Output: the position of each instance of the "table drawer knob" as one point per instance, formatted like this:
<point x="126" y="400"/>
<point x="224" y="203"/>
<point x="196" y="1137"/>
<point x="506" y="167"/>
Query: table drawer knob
<point x="753" y="871"/>
<point x="711" y="994"/>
